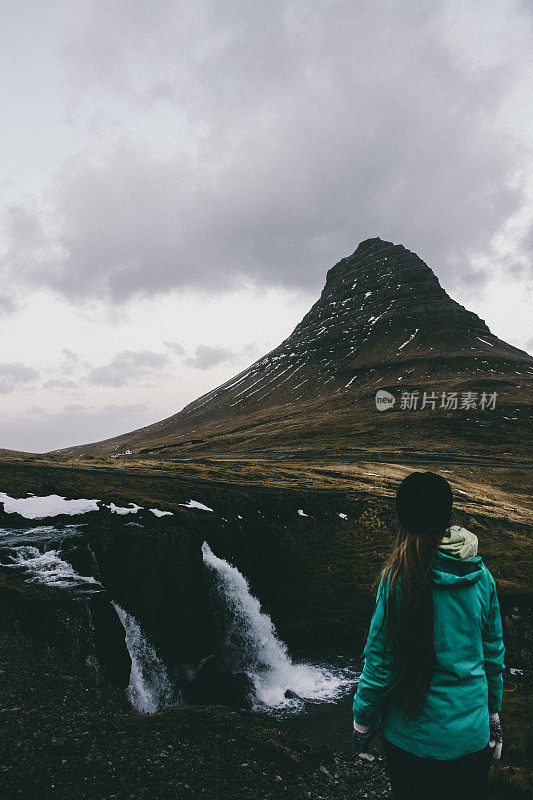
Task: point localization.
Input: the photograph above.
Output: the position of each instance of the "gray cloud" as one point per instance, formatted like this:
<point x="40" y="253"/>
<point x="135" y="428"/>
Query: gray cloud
<point x="250" y="350"/>
<point x="175" y="348"/>
<point x="58" y="383"/>
<point x="14" y="375"/>
<point x="7" y="305"/>
<point x="71" y="361"/>
<point x="293" y="130"/>
<point x="206" y="357"/>
<point x="128" y="366"/>
<point x="41" y="430"/>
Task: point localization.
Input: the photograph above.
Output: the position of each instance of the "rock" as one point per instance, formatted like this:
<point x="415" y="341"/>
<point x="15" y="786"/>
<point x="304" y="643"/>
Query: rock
<point x="157" y="575"/>
<point x="214" y="683"/>
<point x="74" y="626"/>
<point x="290" y="695"/>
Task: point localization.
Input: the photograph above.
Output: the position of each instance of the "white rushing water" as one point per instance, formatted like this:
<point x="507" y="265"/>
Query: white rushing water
<point x="150" y="688"/>
<point x="48" y="567"/>
<point x="264" y="657"/>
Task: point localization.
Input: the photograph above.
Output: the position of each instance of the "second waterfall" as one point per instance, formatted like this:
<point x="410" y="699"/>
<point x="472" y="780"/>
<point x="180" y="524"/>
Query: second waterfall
<point x="257" y="650"/>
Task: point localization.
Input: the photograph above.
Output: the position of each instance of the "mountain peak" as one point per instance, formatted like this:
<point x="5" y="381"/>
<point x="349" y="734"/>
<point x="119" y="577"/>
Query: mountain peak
<point x="382" y="320"/>
<point x="375" y="244"/>
<point x="377" y="264"/>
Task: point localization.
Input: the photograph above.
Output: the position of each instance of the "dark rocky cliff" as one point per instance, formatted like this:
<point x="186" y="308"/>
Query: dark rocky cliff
<point x="84" y="630"/>
<point x="156" y="571"/>
<point x="151" y="567"/>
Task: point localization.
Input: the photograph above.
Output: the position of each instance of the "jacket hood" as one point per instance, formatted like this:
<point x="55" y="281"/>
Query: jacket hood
<point x="459" y="542"/>
<point x="457" y="562"/>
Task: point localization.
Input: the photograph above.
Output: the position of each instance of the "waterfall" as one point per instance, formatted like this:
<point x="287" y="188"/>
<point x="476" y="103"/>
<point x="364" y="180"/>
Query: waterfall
<point x="91" y="659"/>
<point x="150" y="688"/>
<point x="258" y="651"/>
<point x="96" y="568"/>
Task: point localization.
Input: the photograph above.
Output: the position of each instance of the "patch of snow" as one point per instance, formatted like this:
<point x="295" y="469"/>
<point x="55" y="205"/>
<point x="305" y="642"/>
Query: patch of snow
<point x="275" y="377"/>
<point x="196" y="504"/>
<point x="248" y="387"/>
<point x="120" y="510"/>
<point x="300" y="384"/>
<point x="302" y="513"/>
<point x="239" y="379"/>
<point x="49" y="506"/>
<point x="516" y="671"/>
<point x="372" y="473"/>
<point x="484" y="342"/>
<point x="343" y="516"/>
<point x="159" y="513"/>
<point x="461" y="492"/>
<point x="410" y="339"/>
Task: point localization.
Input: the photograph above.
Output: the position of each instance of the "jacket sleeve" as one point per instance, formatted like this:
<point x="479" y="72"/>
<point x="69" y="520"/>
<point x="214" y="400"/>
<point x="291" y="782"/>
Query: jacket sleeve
<point x="493" y="651"/>
<point x="379" y="671"/>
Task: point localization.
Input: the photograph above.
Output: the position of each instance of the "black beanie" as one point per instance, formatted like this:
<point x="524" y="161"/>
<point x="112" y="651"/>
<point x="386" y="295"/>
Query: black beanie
<point x="424" y="499"/>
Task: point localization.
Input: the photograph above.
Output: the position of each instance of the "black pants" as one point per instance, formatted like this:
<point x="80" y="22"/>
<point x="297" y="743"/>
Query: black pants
<point x="416" y="778"/>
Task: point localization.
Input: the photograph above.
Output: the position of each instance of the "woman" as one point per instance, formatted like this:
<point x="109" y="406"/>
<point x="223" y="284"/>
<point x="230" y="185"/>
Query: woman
<point x="433" y="665"/>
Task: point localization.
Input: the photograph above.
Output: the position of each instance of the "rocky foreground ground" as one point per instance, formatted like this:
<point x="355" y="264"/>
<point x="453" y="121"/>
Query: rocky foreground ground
<point x="64" y="734"/>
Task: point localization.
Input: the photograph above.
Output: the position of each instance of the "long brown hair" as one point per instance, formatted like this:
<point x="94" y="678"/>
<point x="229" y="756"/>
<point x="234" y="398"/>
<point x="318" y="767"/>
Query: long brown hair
<point x="423" y="504"/>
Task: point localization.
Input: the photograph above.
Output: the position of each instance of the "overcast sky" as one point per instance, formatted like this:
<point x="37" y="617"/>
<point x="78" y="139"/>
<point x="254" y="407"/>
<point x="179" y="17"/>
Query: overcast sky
<point x="177" y="178"/>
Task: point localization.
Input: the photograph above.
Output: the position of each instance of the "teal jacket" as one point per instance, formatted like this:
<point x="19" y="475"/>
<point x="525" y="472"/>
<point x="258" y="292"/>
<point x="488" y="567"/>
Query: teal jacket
<point x="468" y="680"/>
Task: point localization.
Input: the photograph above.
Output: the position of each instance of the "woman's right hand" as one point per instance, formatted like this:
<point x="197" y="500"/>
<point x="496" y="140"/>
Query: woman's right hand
<point x="496" y="736"/>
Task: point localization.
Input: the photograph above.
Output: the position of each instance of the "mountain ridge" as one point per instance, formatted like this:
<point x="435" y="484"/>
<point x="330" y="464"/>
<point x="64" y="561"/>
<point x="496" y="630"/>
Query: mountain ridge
<point x="382" y="321"/>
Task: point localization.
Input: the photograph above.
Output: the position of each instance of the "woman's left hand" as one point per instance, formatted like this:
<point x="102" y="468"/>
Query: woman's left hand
<point x="362" y="734"/>
<point x="496" y="736"/>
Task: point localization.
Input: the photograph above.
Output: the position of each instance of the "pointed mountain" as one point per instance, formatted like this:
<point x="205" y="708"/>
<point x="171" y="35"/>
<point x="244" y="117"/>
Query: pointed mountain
<point x="383" y="321"/>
